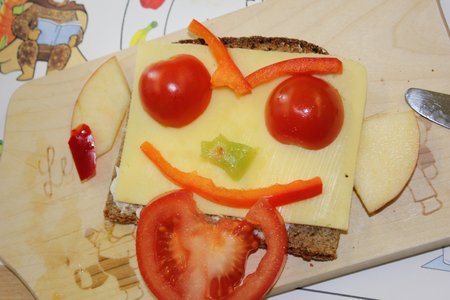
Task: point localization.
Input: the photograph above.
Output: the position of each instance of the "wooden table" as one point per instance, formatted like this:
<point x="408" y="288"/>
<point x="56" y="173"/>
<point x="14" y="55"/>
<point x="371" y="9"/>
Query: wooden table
<point x="11" y="287"/>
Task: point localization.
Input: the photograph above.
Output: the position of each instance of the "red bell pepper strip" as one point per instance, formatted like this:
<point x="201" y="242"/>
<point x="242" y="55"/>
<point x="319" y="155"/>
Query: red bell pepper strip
<point x="301" y="65"/>
<point x="227" y="73"/>
<point x="82" y="146"/>
<point x="277" y="194"/>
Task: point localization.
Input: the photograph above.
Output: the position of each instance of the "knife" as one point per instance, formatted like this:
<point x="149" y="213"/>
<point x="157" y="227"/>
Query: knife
<point x="432" y="105"/>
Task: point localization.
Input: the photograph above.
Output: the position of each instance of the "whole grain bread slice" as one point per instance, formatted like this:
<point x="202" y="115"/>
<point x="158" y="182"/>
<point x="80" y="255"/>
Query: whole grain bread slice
<point x="308" y="242"/>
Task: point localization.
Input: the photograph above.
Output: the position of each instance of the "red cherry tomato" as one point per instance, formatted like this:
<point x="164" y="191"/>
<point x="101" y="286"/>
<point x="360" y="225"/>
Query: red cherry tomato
<point x="153" y="4"/>
<point x="305" y="111"/>
<point x="177" y="91"/>
<point x="183" y="256"/>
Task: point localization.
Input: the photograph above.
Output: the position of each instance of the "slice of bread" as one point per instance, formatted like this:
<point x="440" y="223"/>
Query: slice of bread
<point x="308" y="242"/>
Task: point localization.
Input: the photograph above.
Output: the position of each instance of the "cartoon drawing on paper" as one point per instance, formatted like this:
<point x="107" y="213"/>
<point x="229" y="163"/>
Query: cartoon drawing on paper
<point x="147" y="19"/>
<point x="9" y="9"/>
<point x="41" y="30"/>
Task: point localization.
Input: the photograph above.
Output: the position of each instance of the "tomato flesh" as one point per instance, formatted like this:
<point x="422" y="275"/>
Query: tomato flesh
<point x="259" y="283"/>
<point x="182" y="255"/>
<point x="175" y="92"/>
<point x="305" y="111"/>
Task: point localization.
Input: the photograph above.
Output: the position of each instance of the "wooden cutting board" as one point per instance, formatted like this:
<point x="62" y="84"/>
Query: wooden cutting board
<point x="52" y="229"/>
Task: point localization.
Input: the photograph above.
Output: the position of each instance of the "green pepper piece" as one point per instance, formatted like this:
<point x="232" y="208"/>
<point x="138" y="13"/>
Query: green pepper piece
<point x="234" y="158"/>
<point x="18" y="9"/>
<point x="3" y="42"/>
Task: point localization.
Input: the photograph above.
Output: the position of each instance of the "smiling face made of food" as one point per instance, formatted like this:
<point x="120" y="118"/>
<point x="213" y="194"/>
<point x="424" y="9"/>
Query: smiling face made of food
<point x="242" y="121"/>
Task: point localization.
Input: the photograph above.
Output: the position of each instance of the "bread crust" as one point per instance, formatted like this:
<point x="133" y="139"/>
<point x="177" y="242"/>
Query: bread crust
<point x="309" y="242"/>
<point x="280" y="44"/>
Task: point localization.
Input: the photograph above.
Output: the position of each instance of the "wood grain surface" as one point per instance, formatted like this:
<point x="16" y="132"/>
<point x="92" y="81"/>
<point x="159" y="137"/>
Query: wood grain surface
<point x="11" y="287"/>
<point x="52" y="229"/>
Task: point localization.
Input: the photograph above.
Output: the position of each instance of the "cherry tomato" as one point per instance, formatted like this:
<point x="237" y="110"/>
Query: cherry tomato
<point x="305" y="111"/>
<point x="176" y="91"/>
<point x="182" y="255"/>
<point x="153" y="4"/>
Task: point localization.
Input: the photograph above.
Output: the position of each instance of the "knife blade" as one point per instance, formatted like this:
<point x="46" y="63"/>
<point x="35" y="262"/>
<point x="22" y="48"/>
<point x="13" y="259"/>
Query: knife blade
<point x="432" y="105"/>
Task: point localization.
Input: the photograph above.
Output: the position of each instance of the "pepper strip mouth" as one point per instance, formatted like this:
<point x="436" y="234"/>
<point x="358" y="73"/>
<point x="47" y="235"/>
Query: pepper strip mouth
<point x="277" y="194"/>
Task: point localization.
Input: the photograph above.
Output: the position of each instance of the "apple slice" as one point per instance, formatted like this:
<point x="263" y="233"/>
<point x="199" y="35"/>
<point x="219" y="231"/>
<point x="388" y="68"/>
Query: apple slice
<point x="102" y="104"/>
<point x="389" y="148"/>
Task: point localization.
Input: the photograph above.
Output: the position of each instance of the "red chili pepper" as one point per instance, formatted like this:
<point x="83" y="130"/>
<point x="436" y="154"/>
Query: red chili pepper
<point x="227" y="73"/>
<point x="301" y="65"/>
<point x="277" y="194"/>
<point x="82" y="146"/>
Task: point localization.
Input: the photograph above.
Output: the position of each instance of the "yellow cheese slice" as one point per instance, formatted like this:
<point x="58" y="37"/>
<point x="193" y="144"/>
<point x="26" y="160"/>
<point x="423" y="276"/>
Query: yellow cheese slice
<point x="241" y="119"/>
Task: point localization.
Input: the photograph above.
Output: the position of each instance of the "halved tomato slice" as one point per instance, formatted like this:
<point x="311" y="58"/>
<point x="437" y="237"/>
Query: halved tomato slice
<point x="181" y="255"/>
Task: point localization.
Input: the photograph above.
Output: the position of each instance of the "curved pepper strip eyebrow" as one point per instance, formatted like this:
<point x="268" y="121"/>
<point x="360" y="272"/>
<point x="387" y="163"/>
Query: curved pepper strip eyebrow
<point x="227" y="72"/>
<point x="294" y="66"/>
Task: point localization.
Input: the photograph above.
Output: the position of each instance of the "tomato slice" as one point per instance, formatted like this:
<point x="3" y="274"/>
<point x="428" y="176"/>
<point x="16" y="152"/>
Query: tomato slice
<point x="182" y="255"/>
<point x="265" y="215"/>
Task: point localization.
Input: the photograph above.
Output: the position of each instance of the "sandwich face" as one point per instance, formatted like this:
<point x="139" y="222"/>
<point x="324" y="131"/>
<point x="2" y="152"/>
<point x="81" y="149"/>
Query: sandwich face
<point x="311" y="242"/>
<point x="241" y="120"/>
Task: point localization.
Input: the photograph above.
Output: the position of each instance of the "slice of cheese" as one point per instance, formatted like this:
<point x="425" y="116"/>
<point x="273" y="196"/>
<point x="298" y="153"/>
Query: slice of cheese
<point x="241" y="119"/>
